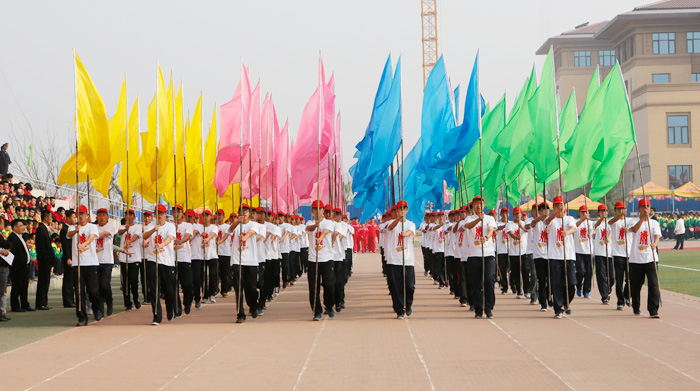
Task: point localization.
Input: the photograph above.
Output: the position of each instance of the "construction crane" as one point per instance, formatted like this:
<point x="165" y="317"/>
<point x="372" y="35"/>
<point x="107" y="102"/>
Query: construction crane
<point x="430" y="37"/>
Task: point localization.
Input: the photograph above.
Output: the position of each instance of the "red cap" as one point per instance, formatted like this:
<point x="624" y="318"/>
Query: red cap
<point x="543" y="205"/>
<point x="602" y="207"/>
<point x="583" y="208"/>
<point x="102" y="210"/>
<point x="207" y="212"/>
<point x="345" y="216"/>
<point x="160" y="208"/>
<point x="393" y="208"/>
<point x="130" y="211"/>
<point x="317" y="204"/>
<point x="492" y="212"/>
<point x="190" y="212"/>
<point x="477" y="198"/>
<point x="148" y="213"/>
<point x="327" y="207"/>
<point x="337" y="210"/>
<point x="274" y="215"/>
<point x="260" y="209"/>
<point x="504" y="209"/>
<point x="179" y="207"/>
<point x="220" y="212"/>
<point x="558" y="200"/>
<point x="244" y="206"/>
<point x="280" y="213"/>
<point x="82" y="209"/>
<point x="643" y="202"/>
<point x="619" y="205"/>
<point x="402" y="204"/>
<point x="516" y="210"/>
<point x="233" y="215"/>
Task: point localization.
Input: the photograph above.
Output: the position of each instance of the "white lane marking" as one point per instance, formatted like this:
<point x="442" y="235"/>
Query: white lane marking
<point x="82" y="363"/>
<point x="532" y="355"/>
<point x="198" y="359"/>
<point x="636" y="350"/>
<point x="308" y="357"/>
<point x="420" y="356"/>
<point x="682" y="328"/>
<point x="683" y="268"/>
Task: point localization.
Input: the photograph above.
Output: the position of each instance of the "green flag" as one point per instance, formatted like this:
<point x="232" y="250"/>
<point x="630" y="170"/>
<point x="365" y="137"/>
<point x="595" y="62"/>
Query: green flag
<point x="568" y="119"/>
<point x="31" y="155"/>
<point x="619" y="137"/>
<point x="593" y="85"/>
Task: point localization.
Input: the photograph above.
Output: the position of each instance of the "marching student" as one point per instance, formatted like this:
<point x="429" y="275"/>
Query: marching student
<point x="105" y="257"/>
<point x="286" y="230"/>
<point x="223" y="249"/>
<point x="320" y="272"/>
<point x="450" y="253"/>
<point x="502" y="250"/>
<point x="646" y="234"/>
<point x="294" y="247"/>
<point x="304" y="261"/>
<point x="584" y="264"/>
<point x="184" y="260"/>
<point x="272" y="255"/>
<point x="197" y="251"/>
<point x="462" y="256"/>
<point x="424" y="243"/>
<point x="131" y="243"/>
<point x="339" y="235"/>
<point x="84" y="235"/>
<point x="349" y="245"/>
<point x="438" y="262"/>
<point x="563" y="271"/>
<point x="145" y="287"/>
<point x="604" y="272"/>
<point x="259" y="247"/>
<point x="528" y="261"/>
<point x="161" y="263"/>
<point x="622" y="238"/>
<point x="519" y="272"/>
<point x="401" y="261"/>
<point x="211" y="258"/>
<point x="481" y="263"/>
<point x="245" y="262"/>
<point x="539" y="234"/>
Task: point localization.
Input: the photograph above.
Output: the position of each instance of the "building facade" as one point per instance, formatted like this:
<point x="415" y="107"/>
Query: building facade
<point x="658" y="48"/>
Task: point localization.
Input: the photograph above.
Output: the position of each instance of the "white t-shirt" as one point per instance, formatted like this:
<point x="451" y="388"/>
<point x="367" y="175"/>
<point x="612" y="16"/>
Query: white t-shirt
<point x="148" y="248"/>
<point x="196" y="242"/>
<point x="324" y="249"/>
<point x="601" y="231"/>
<point x="223" y="249"/>
<point x="209" y="247"/>
<point x="350" y="240"/>
<point x="538" y="233"/>
<point x="272" y="241"/>
<point x="304" y="236"/>
<point x="135" y="249"/>
<point x="166" y="255"/>
<point x="439" y="240"/>
<point x="474" y="237"/>
<point x="502" y="239"/>
<point x="338" y="246"/>
<point x="295" y="245"/>
<point x="617" y="241"/>
<point x="184" y="251"/>
<point x="556" y="239"/>
<point x="423" y="235"/>
<point x="582" y="237"/>
<point x="260" y="244"/>
<point x="103" y="246"/>
<point x="461" y="242"/>
<point x="516" y="247"/>
<point x="88" y="257"/>
<point x="400" y="248"/>
<point x="285" y="245"/>
<point x="244" y="249"/>
<point x="642" y="240"/>
<point x="529" y="242"/>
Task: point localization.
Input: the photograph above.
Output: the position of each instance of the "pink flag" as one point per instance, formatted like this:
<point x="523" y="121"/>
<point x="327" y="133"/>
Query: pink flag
<point x="281" y="163"/>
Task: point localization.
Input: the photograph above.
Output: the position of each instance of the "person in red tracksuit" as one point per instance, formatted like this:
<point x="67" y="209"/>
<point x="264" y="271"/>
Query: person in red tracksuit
<point x="372" y="236"/>
<point x="363" y="238"/>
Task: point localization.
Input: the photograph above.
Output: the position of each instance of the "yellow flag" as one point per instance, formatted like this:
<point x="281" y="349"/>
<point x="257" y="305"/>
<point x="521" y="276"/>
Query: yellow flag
<point x="210" y="163"/>
<point x="117" y="142"/>
<point x="179" y="174"/>
<point x="193" y="142"/>
<point x="128" y="177"/>
<point x="93" y="153"/>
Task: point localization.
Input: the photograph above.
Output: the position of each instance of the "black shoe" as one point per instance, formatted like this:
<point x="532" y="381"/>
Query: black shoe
<point x="128" y="308"/>
<point x="331" y="313"/>
<point x="477" y="316"/>
<point x="568" y="311"/>
<point x="338" y="308"/>
<point x="254" y="313"/>
<point x="471" y="308"/>
<point x="409" y="311"/>
<point x="4" y="318"/>
<point x="170" y="316"/>
<point x="43" y="308"/>
<point x="655" y="315"/>
<point x="198" y="304"/>
<point x="187" y="310"/>
<point x="99" y="315"/>
<point x="489" y="315"/>
<point x="110" y="309"/>
<point x="138" y="305"/>
<point x="240" y="320"/>
<point x="317" y="318"/>
<point x="30" y="309"/>
<point x="69" y="306"/>
<point x="637" y="312"/>
<point x="18" y="310"/>
<point x="82" y="323"/>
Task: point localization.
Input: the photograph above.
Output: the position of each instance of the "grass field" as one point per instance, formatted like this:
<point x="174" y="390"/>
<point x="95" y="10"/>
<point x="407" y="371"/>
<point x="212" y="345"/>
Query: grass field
<point x="680" y="280"/>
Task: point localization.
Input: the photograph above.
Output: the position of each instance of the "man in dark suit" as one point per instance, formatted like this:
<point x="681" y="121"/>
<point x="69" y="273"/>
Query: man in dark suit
<point x="45" y="257"/>
<point x="20" y="269"/>
<point x="5" y="248"/>
<point x="68" y="291"/>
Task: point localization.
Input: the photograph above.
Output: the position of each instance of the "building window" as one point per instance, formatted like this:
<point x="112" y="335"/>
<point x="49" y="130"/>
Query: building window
<point x="695" y="77"/>
<point x="582" y="59"/>
<point x="677" y="129"/>
<point x="693" y="42"/>
<point x="606" y="58"/>
<point x="630" y="43"/>
<point x="679" y="176"/>
<point x="661" y="78"/>
<point x="663" y="43"/>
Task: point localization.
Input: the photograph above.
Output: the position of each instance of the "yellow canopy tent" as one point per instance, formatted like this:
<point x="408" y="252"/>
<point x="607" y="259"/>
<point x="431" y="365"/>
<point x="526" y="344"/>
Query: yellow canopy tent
<point x="579" y="202"/>
<point x="689" y="190"/>
<point x="528" y="205"/>
<point x="652" y="189"/>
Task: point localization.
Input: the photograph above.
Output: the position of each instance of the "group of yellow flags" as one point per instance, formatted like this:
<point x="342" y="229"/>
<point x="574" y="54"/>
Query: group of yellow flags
<point x="172" y="146"/>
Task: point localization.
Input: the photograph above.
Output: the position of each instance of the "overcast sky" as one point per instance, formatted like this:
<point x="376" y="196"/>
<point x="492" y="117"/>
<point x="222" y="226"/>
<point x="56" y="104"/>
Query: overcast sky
<point x="204" y="41"/>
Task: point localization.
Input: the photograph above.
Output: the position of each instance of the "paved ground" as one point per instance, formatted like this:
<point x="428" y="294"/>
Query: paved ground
<point x="440" y="347"/>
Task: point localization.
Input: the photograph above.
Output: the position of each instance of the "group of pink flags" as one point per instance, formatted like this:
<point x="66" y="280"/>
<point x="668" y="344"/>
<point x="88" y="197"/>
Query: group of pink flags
<point x="255" y="153"/>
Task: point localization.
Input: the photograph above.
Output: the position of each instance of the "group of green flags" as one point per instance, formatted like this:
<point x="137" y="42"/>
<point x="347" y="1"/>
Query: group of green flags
<point x="537" y="143"/>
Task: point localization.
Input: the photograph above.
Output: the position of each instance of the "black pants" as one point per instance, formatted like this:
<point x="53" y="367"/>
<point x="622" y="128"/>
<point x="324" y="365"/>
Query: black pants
<point x="604" y="275"/>
<point x="130" y="282"/>
<point x="212" y="287"/>
<point x="304" y="261"/>
<point x="638" y="271"/>
<point x="348" y="264"/>
<point x="520" y="273"/>
<point x="144" y="283"/>
<point x="268" y="289"/>
<point x="294" y="265"/>
<point x="463" y="291"/>
<point x="339" y="271"/>
<point x="503" y="266"/>
<point x="482" y="294"/>
<point x="163" y="284"/>
<point x="584" y="272"/>
<point x="622" y="290"/>
<point x="396" y="276"/>
<point x="224" y="274"/>
<point x="260" y="285"/>
<point x="68" y="291"/>
<point x="559" y="283"/>
<point x="679" y="242"/>
<point x="249" y="278"/>
<point x="427" y="260"/>
<point x="20" y="286"/>
<point x="437" y="265"/>
<point x="452" y="273"/>
<point x="104" y="277"/>
<point x="184" y="271"/>
<point x="44" y="279"/>
<point x="197" y="279"/>
<point x="286" y="273"/>
<point x="542" y="271"/>
<point x="87" y="283"/>
<point x="326" y="279"/>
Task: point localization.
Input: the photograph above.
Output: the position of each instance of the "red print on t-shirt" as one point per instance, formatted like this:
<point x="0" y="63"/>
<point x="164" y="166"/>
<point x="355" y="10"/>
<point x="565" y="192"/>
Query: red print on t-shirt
<point x="644" y="238"/>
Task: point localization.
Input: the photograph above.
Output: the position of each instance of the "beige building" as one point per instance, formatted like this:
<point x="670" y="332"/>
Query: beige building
<point x="658" y="47"/>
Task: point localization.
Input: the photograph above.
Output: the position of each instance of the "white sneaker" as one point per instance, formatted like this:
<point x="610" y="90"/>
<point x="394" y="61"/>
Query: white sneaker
<point x="543" y="310"/>
<point x="527" y="295"/>
<point x="518" y="296"/>
<point x="89" y="311"/>
<point x="155" y="323"/>
<point x="205" y="301"/>
<point x="212" y="299"/>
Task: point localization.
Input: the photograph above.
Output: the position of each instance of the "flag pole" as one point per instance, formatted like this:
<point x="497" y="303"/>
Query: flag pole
<point x="125" y="282"/>
<point x="481" y="194"/>
<point x="177" y="281"/>
<point x="318" y="177"/>
<point x="239" y="299"/>
<point x="80" y="305"/>
<point x="143" y="247"/>
<point x="156" y="300"/>
<point x="627" y="253"/>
